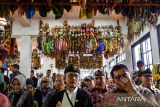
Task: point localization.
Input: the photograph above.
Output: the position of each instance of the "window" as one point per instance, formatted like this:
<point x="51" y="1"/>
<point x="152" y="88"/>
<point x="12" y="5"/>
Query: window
<point x="158" y="34"/>
<point x="141" y="50"/>
<point x="111" y="63"/>
<point x="120" y="58"/>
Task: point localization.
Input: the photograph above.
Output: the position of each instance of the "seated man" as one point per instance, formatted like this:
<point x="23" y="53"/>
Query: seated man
<point x="126" y="92"/>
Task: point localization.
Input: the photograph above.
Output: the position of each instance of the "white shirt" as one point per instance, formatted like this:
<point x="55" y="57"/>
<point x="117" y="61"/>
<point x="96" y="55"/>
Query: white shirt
<point x="72" y="96"/>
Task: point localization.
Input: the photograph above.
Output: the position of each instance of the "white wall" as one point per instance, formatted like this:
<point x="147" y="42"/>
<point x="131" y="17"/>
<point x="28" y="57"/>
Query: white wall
<point x="154" y="45"/>
<point x="19" y="30"/>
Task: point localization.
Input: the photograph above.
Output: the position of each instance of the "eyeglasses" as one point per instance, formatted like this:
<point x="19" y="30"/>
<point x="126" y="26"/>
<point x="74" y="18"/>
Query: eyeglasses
<point x="119" y="76"/>
<point x="146" y="76"/>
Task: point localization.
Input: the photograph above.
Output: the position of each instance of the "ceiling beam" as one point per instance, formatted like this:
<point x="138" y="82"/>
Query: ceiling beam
<point x="141" y="4"/>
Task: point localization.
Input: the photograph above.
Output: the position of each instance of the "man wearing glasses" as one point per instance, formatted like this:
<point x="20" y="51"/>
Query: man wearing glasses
<point x="126" y="92"/>
<point x="147" y="81"/>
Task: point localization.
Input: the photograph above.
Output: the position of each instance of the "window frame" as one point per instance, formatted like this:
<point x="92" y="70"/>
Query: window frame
<point x="120" y="58"/>
<point x="110" y="63"/>
<point x="142" y="53"/>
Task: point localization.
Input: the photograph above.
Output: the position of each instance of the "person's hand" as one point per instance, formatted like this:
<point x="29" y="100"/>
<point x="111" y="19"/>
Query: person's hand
<point x="127" y="85"/>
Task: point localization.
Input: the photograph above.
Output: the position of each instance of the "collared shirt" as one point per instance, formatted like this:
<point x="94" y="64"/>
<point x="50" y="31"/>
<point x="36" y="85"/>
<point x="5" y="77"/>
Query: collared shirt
<point x="115" y="98"/>
<point x="72" y="96"/>
<point x="156" y="93"/>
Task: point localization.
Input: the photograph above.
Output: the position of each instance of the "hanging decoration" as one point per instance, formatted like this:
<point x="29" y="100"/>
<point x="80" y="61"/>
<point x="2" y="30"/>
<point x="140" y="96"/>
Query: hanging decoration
<point x="36" y="60"/>
<point x="8" y="47"/>
<point x="60" y="41"/>
<point x="91" y="62"/>
<point x="138" y="16"/>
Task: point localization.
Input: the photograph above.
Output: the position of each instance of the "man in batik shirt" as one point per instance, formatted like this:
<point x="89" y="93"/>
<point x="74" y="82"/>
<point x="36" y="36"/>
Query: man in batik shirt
<point x="100" y="88"/>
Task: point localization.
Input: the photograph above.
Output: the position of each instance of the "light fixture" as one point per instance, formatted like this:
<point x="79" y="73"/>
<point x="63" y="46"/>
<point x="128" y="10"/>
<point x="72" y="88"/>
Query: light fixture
<point x="3" y="22"/>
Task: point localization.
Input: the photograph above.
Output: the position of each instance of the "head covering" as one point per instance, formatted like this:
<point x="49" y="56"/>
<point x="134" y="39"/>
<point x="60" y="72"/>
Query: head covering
<point x="99" y="73"/>
<point x="88" y="78"/>
<point x="147" y="71"/>
<point x="140" y="63"/>
<point x="30" y="82"/>
<point x="21" y="78"/>
<point x="72" y="68"/>
<point x="45" y="79"/>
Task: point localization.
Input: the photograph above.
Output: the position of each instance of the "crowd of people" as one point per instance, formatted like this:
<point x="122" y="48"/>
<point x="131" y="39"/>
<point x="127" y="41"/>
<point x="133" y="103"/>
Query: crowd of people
<point x="124" y="89"/>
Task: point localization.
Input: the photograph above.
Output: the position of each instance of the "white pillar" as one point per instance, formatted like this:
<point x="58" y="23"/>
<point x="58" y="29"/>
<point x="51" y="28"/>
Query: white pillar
<point x="25" y="55"/>
<point x="154" y="45"/>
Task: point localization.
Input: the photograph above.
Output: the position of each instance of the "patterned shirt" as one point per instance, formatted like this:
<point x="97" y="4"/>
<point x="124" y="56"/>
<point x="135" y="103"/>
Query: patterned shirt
<point x="97" y="96"/>
<point x="156" y="92"/>
<point x="120" y="98"/>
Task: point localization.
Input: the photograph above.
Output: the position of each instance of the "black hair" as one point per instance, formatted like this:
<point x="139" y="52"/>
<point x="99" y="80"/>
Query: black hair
<point x="117" y="67"/>
<point x="15" y="66"/>
<point x="48" y="70"/>
<point x="32" y="71"/>
<point x="2" y="70"/>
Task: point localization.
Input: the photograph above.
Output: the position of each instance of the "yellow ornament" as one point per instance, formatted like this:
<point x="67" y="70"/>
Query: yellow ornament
<point x="1" y="64"/>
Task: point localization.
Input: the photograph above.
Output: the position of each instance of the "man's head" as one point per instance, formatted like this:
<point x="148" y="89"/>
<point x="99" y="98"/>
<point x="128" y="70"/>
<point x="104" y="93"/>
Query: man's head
<point x="37" y="75"/>
<point x="48" y="73"/>
<point x="89" y="82"/>
<point x="32" y="73"/>
<point x="100" y="79"/>
<point x="30" y="85"/>
<point x="45" y="83"/>
<point x="147" y="78"/>
<point x="119" y="73"/>
<point x="71" y="76"/>
<point x="59" y="82"/>
<point x="141" y="65"/>
<point x="54" y="76"/>
<point x="14" y="67"/>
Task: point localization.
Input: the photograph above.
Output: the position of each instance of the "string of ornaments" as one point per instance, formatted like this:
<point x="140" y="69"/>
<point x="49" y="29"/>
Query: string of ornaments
<point x="61" y="41"/>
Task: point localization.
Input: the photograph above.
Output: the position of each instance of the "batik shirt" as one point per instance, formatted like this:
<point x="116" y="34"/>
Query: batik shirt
<point x="120" y="98"/>
<point x="97" y="96"/>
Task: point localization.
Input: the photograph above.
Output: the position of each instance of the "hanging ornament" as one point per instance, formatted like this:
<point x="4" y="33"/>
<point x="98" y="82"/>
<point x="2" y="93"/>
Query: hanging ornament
<point x="1" y="64"/>
<point x="103" y="9"/>
<point x="67" y="8"/>
<point x="101" y="47"/>
<point x="90" y="12"/>
<point x="31" y="12"/>
<point x="43" y="11"/>
<point x="82" y="13"/>
<point x="58" y="10"/>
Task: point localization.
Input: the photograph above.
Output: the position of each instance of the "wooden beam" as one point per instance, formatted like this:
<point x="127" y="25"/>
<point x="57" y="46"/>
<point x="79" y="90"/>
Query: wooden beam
<point x="142" y="4"/>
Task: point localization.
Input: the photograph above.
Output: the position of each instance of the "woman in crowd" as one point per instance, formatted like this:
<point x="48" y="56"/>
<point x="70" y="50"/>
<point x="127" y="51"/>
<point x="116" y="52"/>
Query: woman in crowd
<point x="19" y="97"/>
<point x="36" y="93"/>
